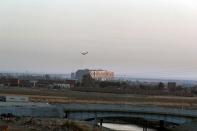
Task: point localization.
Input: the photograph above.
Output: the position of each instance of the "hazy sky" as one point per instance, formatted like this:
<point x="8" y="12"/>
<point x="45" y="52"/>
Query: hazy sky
<point x="145" y="38"/>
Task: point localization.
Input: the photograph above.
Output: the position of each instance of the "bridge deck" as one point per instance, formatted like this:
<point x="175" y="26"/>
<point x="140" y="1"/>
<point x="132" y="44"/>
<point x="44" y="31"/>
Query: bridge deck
<point x="129" y="108"/>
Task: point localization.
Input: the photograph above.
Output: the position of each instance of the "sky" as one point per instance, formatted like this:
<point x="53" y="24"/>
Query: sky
<point x="140" y="38"/>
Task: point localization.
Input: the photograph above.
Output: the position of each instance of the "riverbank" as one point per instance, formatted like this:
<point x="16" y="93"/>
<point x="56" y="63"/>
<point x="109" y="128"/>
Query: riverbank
<point x="40" y="124"/>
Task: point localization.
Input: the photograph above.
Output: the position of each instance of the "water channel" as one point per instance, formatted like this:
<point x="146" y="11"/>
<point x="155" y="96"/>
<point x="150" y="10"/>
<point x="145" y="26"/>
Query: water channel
<point x="124" y="127"/>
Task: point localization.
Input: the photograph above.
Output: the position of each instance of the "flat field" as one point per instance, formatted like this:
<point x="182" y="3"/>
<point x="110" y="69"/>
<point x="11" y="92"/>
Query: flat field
<point x="68" y="96"/>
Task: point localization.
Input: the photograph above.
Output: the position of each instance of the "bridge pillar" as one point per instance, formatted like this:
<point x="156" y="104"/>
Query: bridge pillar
<point x="101" y="122"/>
<point x="66" y="115"/>
<point x="161" y="125"/>
<point x="95" y="119"/>
<point x="145" y="125"/>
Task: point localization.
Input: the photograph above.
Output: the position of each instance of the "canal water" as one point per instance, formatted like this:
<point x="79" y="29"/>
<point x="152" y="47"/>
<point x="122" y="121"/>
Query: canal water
<point x="124" y="127"/>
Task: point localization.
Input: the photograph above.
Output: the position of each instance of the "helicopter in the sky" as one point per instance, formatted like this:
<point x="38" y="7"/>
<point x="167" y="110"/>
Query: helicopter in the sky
<point x="84" y="52"/>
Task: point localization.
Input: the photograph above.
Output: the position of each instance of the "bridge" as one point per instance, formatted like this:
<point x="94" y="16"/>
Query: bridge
<point x="101" y="111"/>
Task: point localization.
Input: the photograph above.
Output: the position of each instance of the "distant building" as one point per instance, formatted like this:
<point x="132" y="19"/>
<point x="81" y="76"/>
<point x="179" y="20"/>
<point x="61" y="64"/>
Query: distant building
<point x="14" y="98"/>
<point x="172" y="86"/>
<point x="73" y="75"/>
<point x="60" y="86"/>
<point x="71" y="83"/>
<point x="101" y="75"/>
<point x="80" y="73"/>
